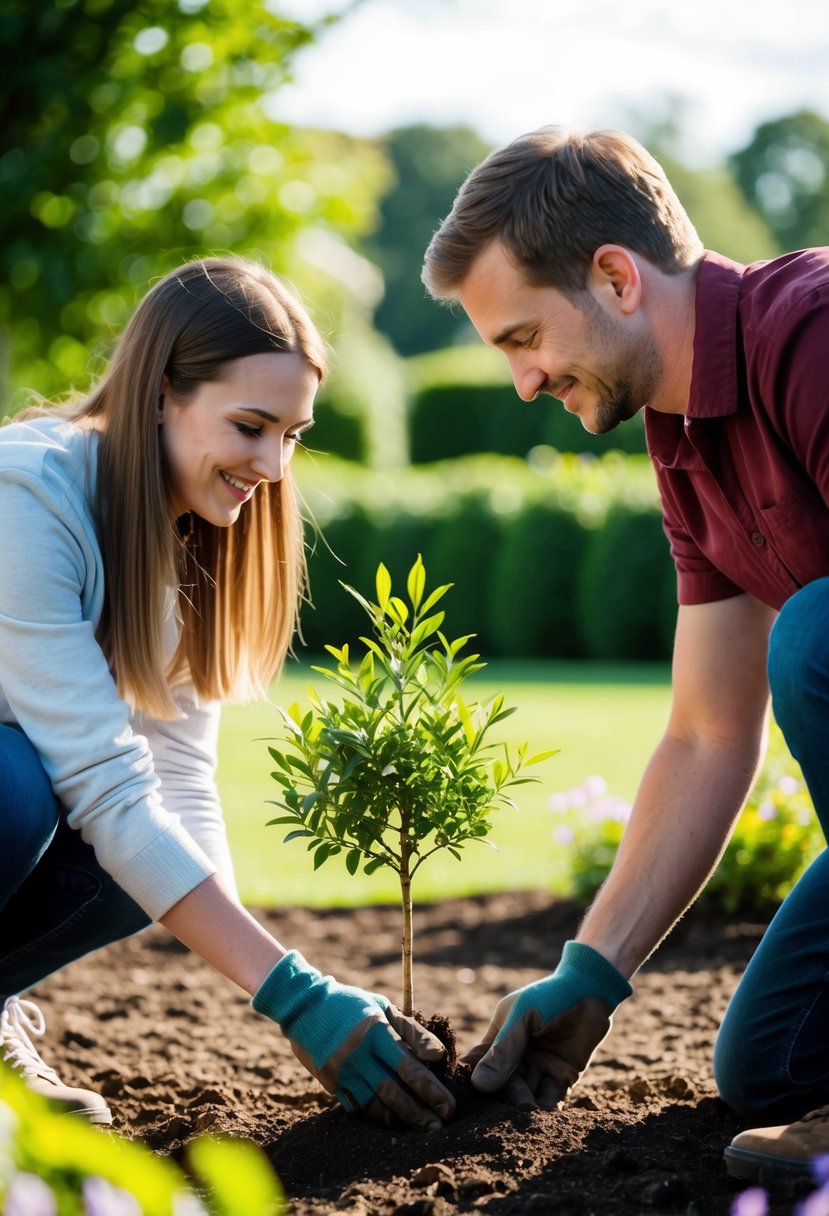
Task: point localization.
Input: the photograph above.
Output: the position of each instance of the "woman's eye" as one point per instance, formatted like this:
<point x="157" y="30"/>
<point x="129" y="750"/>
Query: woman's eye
<point x="251" y="432"/>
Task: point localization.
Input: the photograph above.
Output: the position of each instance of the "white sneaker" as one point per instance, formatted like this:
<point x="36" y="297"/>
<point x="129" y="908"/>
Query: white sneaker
<point x="20" y="1019"/>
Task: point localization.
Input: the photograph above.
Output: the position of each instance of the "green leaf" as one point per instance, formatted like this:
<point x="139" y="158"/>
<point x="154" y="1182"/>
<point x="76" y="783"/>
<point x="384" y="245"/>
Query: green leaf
<point x="383" y="585"/>
<point x="539" y="756"/>
<point x="436" y="595"/>
<point x="374" y="864"/>
<point x="297" y="835"/>
<point x="238" y="1175"/>
<point x="416" y="582"/>
<point x="398" y="611"/>
<point x="352" y="861"/>
<point x="426" y="628"/>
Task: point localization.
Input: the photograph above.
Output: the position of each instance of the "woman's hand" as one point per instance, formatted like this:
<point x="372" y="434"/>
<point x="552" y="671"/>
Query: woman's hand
<point x="360" y="1047"/>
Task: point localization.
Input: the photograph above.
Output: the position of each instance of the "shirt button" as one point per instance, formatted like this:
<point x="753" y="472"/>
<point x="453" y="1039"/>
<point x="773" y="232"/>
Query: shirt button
<point x="758" y="538"/>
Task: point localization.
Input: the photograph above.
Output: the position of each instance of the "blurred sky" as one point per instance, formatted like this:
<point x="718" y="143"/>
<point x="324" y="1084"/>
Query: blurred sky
<point x="508" y="66"/>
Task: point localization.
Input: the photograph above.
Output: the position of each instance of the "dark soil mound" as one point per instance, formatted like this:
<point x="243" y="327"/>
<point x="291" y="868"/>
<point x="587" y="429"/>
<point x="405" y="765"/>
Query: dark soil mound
<point x="179" y="1053"/>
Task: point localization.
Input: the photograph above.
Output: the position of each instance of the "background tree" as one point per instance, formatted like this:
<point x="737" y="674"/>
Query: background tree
<point x="429" y="163"/>
<point x="136" y="134"/>
<point x="725" y="218"/>
<point x="783" y="173"/>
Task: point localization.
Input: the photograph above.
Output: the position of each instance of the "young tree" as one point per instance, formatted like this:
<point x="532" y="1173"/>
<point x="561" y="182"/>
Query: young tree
<point x="400" y="766"/>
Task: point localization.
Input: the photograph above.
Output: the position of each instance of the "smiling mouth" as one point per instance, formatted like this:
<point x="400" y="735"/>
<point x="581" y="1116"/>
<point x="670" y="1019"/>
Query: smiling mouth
<point x="561" y="389"/>
<point x="241" y="489"/>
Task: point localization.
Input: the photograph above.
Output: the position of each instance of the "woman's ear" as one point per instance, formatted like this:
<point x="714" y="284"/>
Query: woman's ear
<point x="614" y="272"/>
<point x="165" y="388"/>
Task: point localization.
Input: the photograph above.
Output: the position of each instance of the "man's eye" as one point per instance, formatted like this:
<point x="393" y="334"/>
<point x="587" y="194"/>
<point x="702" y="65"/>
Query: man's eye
<point x="251" y="432"/>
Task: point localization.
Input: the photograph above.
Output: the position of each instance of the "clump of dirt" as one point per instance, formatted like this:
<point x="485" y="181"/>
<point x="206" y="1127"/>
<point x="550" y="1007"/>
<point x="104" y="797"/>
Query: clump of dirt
<point x="179" y="1053"/>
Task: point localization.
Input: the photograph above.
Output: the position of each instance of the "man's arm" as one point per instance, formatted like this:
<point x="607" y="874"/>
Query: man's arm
<point x="541" y="1038"/>
<point x="696" y="781"/>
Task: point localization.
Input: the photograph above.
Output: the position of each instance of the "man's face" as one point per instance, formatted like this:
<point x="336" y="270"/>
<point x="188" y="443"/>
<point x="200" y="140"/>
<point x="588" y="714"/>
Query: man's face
<point x="601" y="364"/>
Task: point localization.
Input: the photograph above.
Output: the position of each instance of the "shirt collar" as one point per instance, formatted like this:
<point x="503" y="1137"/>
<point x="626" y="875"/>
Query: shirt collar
<point x="713" y="391"/>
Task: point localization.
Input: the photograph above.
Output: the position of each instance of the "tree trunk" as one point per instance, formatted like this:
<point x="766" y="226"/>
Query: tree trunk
<point x="406" y="902"/>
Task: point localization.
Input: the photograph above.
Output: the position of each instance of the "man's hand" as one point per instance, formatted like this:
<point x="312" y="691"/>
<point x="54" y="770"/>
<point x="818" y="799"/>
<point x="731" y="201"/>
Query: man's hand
<point x="359" y="1046"/>
<point x="541" y="1037"/>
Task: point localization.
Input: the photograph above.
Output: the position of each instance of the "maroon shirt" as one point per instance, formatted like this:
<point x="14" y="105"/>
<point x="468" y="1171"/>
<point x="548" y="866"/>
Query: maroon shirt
<point x="744" y="475"/>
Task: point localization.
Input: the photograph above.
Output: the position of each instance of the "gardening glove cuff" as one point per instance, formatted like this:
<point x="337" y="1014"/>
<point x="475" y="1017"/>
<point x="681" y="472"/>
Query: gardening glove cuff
<point x="541" y="1037"/>
<point x="346" y="1039"/>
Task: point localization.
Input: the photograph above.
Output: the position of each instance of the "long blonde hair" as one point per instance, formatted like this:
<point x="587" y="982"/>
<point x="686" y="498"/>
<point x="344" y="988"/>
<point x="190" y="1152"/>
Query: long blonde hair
<point x="239" y="588"/>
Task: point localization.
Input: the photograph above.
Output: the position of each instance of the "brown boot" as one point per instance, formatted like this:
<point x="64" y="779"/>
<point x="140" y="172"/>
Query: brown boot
<point x="18" y="1021"/>
<point x="790" y="1150"/>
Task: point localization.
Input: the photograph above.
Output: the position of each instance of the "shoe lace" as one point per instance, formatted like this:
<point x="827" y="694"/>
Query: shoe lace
<point x="18" y="1020"/>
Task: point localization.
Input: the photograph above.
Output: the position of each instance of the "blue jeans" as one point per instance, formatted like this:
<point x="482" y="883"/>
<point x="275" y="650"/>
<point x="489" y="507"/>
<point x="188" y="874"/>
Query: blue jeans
<point x="771" y="1060"/>
<point x="56" y="903"/>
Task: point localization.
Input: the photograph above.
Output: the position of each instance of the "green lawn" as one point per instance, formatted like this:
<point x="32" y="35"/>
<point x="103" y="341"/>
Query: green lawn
<point x="605" y="719"/>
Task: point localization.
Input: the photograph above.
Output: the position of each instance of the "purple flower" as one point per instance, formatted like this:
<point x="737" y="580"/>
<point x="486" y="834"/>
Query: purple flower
<point x="559" y="804"/>
<point x="820" y="1169"/>
<point x="816" y="1204"/>
<point x="563" y="835"/>
<point x="101" y="1198"/>
<point x="767" y="810"/>
<point x="788" y="784"/>
<point x="753" y="1202"/>
<point x="595" y="787"/>
<point x="28" y="1195"/>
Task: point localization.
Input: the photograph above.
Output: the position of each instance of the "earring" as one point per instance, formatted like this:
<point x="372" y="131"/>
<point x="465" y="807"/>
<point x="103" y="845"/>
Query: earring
<point x="186" y="528"/>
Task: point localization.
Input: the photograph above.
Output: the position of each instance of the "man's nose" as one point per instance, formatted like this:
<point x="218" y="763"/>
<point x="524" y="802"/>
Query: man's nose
<point x="528" y="381"/>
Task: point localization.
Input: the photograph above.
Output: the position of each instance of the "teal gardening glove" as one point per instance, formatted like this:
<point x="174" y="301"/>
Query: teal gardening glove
<point x="541" y="1037"/>
<point x="357" y="1044"/>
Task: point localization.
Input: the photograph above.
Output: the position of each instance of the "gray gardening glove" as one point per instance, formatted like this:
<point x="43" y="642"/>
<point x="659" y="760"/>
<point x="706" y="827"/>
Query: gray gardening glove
<point x="541" y="1037"/>
<point x="359" y="1046"/>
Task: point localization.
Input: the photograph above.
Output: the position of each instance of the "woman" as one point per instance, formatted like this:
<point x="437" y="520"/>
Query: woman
<point x="151" y="566"/>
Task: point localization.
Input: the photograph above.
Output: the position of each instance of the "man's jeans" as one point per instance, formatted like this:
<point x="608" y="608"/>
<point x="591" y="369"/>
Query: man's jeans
<point x="772" y="1056"/>
<point x="56" y="903"/>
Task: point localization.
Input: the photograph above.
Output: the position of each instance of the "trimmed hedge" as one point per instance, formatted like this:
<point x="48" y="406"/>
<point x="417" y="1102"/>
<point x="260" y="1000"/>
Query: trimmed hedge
<point x="461" y="551"/>
<point x="532" y="595"/>
<point x="560" y="561"/>
<point x="625" y="566"/>
<point x="462" y="400"/>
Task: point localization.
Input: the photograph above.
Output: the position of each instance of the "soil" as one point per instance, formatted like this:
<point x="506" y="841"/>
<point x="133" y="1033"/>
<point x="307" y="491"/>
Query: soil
<point x="178" y="1053"/>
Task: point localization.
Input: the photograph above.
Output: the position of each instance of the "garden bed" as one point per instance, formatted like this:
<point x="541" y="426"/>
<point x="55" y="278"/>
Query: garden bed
<point x="178" y="1053"/>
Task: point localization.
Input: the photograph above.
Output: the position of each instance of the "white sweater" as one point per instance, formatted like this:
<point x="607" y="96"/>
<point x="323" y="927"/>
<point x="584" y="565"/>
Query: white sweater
<point x="140" y="791"/>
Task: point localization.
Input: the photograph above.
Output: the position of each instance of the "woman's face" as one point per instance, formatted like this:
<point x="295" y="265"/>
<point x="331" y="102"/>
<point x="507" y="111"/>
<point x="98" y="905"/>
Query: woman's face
<point x="235" y="433"/>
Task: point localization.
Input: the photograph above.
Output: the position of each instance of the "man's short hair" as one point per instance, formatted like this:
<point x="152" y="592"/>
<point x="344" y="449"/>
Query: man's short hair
<point x="553" y="197"/>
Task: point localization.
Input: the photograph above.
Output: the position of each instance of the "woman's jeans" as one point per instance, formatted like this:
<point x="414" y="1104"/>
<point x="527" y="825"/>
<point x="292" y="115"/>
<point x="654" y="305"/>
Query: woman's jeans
<point x="56" y="903"/>
<point x="771" y="1061"/>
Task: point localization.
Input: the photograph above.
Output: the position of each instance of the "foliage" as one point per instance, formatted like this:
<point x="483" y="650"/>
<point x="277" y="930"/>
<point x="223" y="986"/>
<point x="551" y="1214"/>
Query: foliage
<point x="429" y="163"/>
<point x="366" y="387"/>
<point x="525" y="532"/>
<point x="542" y="548"/>
<point x="626" y="563"/>
<point x="782" y="172"/>
<point x="162" y="149"/>
<point x="400" y="767"/>
<point x="723" y="217"/>
<point x="462" y="548"/>
<point x="463" y="400"/>
<point x="54" y="1163"/>
<point x="775" y="838"/>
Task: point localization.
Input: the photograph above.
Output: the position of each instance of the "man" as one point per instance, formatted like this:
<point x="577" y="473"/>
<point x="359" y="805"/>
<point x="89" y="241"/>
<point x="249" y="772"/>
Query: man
<point x="572" y="254"/>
